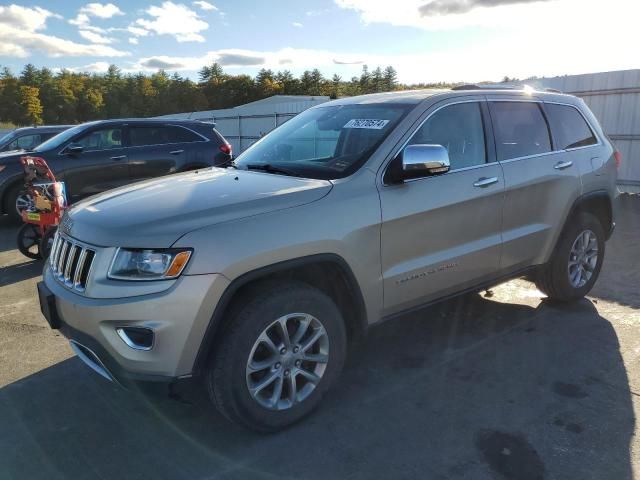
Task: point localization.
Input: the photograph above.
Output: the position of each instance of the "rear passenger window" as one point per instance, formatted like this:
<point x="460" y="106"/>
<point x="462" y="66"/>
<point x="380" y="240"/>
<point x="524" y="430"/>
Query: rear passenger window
<point x="520" y="129"/>
<point x="183" y="135"/>
<point x="460" y="130"/>
<point x="141" y="136"/>
<point x="570" y="129"/>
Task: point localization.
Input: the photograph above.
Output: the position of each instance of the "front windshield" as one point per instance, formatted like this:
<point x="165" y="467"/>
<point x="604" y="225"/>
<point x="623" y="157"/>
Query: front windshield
<point x="6" y="138"/>
<point x="59" y="139"/>
<point x="326" y="142"/>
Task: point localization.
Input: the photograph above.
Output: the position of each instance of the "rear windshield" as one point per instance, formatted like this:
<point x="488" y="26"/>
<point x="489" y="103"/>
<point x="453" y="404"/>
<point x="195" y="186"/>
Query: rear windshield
<point x="325" y="142"/>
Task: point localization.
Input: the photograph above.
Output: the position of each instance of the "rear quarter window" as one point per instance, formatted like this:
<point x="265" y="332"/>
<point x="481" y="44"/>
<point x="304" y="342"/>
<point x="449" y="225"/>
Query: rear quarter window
<point x="569" y="128"/>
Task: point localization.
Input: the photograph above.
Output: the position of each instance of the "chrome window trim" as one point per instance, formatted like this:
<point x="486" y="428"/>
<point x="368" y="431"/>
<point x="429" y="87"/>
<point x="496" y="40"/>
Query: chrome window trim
<point x="457" y="170"/>
<point x="396" y="152"/>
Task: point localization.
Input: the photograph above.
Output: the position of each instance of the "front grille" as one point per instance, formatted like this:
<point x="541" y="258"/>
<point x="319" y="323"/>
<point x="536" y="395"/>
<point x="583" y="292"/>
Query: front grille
<point x="71" y="262"/>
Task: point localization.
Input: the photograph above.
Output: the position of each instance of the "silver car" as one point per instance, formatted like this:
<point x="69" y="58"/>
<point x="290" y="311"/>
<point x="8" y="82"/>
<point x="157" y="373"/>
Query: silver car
<point x="256" y="278"/>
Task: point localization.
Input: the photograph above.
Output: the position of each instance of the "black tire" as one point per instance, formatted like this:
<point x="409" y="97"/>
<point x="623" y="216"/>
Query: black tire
<point x="10" y="202"/>
<point x="553" y="278"/>
<point x="226" y="379"/>
<point x="46" y="242"/>
<point x="28" y="241"/>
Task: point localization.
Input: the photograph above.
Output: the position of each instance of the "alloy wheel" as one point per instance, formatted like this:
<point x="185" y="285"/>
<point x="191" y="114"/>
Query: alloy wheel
<point x="583" y="258"/>
<point x="287" y="361"/>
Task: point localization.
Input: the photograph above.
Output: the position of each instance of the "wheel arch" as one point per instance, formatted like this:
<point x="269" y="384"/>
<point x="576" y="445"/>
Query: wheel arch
<point x="328" y="272"/>
<point x="598" y="203"/>
<point x="8" y="186"/>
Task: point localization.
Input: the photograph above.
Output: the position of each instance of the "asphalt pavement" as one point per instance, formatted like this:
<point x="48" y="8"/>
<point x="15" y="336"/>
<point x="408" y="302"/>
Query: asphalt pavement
<point x="494" y="385"/>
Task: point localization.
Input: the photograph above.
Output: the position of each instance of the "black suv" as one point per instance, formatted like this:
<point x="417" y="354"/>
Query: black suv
<point x="98" y="156"/>
<point x="29" y="137"/>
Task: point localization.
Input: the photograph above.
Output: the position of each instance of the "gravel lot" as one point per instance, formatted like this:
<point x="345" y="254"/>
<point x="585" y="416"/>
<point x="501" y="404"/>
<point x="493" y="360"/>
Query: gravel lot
<point x="501" y="385"/>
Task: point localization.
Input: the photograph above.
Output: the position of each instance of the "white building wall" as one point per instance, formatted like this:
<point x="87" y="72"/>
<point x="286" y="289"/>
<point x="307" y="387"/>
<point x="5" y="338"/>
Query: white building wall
<point x="614" y="98"/>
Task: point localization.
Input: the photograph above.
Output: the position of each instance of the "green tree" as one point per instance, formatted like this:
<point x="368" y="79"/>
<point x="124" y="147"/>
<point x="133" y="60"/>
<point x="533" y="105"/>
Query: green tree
<point x="31" y="109"/>
<point x="390" y="79"/>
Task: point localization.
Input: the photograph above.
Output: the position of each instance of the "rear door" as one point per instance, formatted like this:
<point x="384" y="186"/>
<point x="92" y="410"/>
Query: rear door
<point x="160" y="149"/>
<point x="441" y="234"/>
<point x="101" y="166"/>
<point x="541" y="182"/>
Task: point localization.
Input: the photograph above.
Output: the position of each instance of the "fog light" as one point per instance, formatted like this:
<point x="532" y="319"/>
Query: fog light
<point x="138" y="338"/>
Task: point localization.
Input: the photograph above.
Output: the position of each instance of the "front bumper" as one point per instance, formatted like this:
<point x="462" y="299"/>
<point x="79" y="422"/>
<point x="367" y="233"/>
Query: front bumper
<point x="178" y="318"/>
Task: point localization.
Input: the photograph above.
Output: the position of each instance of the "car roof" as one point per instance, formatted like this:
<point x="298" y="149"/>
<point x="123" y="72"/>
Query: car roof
<point x="418" y="96"/>
<point x="161" y="121"/>
<point x="43" y="128"/>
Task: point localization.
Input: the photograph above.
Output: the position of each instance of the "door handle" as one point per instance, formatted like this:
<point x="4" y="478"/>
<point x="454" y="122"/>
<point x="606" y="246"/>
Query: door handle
<point x="119" y="157"/>
<point x="563" y="165"/>
<point x="176" y="152"/>
<point x="485" y="182"/>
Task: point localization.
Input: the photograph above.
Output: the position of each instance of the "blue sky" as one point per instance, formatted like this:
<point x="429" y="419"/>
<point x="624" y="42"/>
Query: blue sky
<point x="425" y="40"/>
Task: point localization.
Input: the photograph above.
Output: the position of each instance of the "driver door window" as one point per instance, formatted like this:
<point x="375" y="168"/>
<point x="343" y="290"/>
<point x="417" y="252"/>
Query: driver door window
<point x="460" y="130"/>
<point x="104" y="139"/>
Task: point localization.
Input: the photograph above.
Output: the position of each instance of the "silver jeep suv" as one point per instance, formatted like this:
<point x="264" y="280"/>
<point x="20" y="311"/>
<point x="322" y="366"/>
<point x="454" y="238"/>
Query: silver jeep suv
<point x="255" y="278"/>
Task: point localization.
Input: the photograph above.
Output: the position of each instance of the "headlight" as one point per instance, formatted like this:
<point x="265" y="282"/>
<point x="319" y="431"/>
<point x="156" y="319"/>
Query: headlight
<point x="130" y="264"/>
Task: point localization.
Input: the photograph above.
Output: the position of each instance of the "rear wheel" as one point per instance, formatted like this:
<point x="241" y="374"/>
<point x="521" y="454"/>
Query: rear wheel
<point x="576" y="263"/>
<point x="279" y="354"/>
<point x="17" y="200"/>
<point x="28" y="240"/>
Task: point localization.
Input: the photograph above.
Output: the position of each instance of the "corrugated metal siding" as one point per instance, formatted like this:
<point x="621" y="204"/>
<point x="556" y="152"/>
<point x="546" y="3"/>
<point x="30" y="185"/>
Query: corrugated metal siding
<point x="244" y="124"/>
<point x="614" y="98"/>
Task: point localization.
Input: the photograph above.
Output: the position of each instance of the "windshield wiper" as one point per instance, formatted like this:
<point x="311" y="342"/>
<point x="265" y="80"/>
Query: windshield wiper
<point x="267" y="167"/>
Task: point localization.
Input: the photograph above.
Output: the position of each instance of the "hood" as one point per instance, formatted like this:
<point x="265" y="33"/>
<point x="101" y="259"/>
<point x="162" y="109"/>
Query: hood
<point x="155" y="213"/>
<point x="12" y="154"/>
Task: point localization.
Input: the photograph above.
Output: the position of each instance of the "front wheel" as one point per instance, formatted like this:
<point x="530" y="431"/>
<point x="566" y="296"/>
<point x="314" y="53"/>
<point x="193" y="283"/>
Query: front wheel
<point x="575" y="265"/>
<point x="279" y="354"/>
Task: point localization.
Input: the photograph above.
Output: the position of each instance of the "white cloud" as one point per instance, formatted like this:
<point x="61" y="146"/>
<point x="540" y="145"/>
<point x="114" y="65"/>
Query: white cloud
<point x="133" y="41"/>
<point x="297" y="24"/>
<point x="205" y="5"/>
<point x="94" y="37"/>
<point x="20" y="35"/>
<point x="25" y="18"/>
<point x="81" y="20"/>
<point x="97" y="67"/>
<point x="137" y="31"/>
<point x="173" y="19"/>
<point x="101" y="10"/>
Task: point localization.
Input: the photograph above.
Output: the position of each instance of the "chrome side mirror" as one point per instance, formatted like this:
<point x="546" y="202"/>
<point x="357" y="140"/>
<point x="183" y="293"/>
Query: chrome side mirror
<point x="424" y="160"/>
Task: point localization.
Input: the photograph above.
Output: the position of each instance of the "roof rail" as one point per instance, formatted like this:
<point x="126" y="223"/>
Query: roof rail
<point x="489" y="86"/>
<point x="552" y="90"/>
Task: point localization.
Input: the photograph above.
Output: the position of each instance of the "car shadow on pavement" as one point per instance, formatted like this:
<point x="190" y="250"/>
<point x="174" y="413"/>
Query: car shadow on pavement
<point x="20" y="272"/>
<point x="472" y="388"/>
<point x="619" y="280"/>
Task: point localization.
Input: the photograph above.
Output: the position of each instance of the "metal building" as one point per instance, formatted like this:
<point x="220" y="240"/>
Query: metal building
<point x="614" y="98"/>
<point x="245" y="124"/>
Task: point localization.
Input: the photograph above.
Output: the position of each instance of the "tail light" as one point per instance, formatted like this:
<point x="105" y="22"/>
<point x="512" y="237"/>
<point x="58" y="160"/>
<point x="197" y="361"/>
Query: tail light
<point x="618" y="158"/>
<point x="225" y="148"/>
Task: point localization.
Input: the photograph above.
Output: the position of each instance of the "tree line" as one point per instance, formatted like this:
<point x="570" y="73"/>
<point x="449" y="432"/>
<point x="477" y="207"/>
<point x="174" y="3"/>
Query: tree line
<point x="39" y="96"/>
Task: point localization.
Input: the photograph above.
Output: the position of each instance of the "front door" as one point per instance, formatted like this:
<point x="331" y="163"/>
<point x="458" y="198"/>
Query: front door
<point x="442" y="233"/>
<point x="102" y="164"/>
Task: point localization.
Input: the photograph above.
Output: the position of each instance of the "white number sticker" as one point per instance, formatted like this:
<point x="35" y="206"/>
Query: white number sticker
<point x="370" y="123"/>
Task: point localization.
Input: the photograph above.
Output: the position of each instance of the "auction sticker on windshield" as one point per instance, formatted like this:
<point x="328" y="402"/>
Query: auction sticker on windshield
<point x="370" y="123"/>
